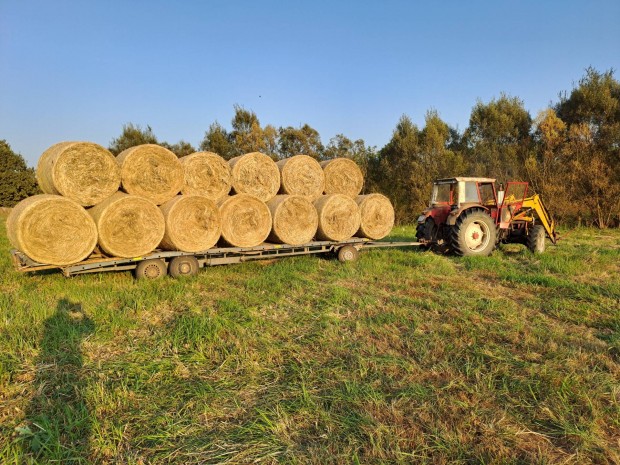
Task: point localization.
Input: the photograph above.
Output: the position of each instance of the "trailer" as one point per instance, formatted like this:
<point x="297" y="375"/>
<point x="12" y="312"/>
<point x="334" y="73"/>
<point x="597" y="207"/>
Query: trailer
<point x="160" y="263"/>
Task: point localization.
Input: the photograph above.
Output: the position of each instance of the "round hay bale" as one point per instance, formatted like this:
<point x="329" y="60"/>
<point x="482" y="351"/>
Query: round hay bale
<point x="377" y="216"/>
<point x="81" y="171"/>
<point x="255" y="174"/>
<point x="339" y="217"/>
<point x="207" y="174"/>
<point x="294" y="219"/>
<point x="301" y="175"/>
<point x="192" y="223"/>
<point x="343" y="176"/>
<point x="52" y="229"/>
<point x="129" y="226"/>
<point x="246" y="221"/>
<point x="151" y="171"/>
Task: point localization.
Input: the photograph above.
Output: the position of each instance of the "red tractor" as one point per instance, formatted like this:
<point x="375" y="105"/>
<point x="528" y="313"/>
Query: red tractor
<point x="469" y="216"/>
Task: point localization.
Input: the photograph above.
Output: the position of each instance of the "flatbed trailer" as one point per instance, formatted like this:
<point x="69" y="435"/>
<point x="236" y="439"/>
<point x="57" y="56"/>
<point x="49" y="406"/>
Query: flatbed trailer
<point x="159" y="262"/>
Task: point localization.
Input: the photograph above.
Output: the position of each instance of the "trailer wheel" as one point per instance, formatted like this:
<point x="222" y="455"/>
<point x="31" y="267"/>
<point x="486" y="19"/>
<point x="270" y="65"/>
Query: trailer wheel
<point x="536" y="239"/>
<point x="183" y="266"/>
<point x="151" y="269"/>
<point x="348" y="253"/>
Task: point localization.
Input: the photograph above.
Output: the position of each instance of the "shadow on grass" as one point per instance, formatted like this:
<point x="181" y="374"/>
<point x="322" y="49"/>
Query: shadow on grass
<point x="58" y="421"/>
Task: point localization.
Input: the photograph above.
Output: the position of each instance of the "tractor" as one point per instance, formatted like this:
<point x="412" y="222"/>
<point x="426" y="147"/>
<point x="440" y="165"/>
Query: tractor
<point x="469" y="216"/>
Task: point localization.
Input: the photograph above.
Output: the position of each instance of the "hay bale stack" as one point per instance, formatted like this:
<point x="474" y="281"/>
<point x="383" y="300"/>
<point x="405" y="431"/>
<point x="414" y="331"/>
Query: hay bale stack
<point x="207" y="174"/>
<point x="376" y="214"/>
<point x="255" y="174"/>
<point x="246" y="221"/>
<point x="343" y="176"/>
<point x="192" y="223"/>
<point x="151" y="171"/>
<point x="128" y="225"/>
<point x="84" y="172"/>
<point x="294" y="219"/>
<point x="52" y="229"/>
<point x="339" y="217"/>
<point x="301" y="175"/>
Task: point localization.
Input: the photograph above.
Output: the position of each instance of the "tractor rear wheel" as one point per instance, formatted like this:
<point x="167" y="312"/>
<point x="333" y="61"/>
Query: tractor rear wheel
<point x="473" y="234"/>
<point x="536" y="239"/>
<point x="424" y="233"/>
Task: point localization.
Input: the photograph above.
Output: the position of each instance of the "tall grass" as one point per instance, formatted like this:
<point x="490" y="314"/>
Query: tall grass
<point x="402" y="357"/>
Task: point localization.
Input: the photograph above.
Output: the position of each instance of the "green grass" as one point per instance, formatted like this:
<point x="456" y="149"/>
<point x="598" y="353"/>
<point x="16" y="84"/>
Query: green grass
<point x="403" y="357"/>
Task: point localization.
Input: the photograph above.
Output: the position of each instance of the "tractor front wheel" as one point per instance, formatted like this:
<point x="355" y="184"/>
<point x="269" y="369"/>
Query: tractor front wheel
<point x="473" y="234"/>
<point x="536" y="239"/>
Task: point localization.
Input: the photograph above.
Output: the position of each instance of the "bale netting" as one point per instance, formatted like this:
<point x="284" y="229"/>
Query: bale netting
<point x="151" y="171"/>
<point x="129" y="226"/>
<point x="207" y="174"/>
<point x="192" y="223"/>
<point x="246" y="220"/>
<point x="52" y="229"/>
<point x="81" y="171"/>
<point x="255" y="174"/>
<point x="339" y="217"/>
<point x="294" y="219"/>
<point x="343" y="176"/>
<point x="301" y="175"/>
<point x="376" y="216"/>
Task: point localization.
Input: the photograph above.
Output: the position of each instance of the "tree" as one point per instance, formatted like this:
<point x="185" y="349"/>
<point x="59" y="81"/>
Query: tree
<point x="397" y="171"/>
<point x="219" y="141"/>
<point x="304" y="140"/>
<point x="180" y="149"/>
<point x="341" y="146"/>
<point x="131" y="136"/>
<point x="498" y="138"/>
<point x="17" y="181"/>
<point x="592" y="114"/>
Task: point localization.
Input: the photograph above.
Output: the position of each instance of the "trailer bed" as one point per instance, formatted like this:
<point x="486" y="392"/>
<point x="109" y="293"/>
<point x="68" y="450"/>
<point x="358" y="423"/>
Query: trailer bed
<point x="98" y="262"/>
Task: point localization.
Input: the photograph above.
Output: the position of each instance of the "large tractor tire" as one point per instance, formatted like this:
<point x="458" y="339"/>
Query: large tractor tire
<point x="473" y="234"/>
<point x="536" y="239"/>
<point x="424" y="232"/>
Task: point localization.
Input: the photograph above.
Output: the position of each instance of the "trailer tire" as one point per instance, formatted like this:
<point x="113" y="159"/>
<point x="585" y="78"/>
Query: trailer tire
<point x="185" y="265"/>
<point x="536" y="239"/>
<point x="151" y="269"/>
<point x="348" y="253"/>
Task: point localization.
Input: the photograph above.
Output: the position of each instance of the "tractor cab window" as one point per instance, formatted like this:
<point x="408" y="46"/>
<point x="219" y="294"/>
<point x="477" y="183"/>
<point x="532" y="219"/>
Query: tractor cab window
<point x="471" y="192"/>
<point x="441" y="193"/>
<point x="487" y="196"/>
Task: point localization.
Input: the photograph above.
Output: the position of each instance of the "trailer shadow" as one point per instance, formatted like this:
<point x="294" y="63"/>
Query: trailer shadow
<point x="58" y="423"/>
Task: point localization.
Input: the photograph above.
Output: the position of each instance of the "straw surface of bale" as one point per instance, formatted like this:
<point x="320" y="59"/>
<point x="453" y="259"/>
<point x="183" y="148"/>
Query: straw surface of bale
<point x="376" y="214"/>
<point x="246" y="220"/>
<point x="301" y="175"/>
<point x="207" y="174"/>
<point x="255" y="174"/>
<point x="81" y="171"/>
<point x="192" y="223"/>
<point x="129" y="226"/>
<point x="294" y="219"/>
<point x="151" y="171"/>
<point x="343" y="176"/>
<point x="52" y="229"/>
<point x="339" y="217"/>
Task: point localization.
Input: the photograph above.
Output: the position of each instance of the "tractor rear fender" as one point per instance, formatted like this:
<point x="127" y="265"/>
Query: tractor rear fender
<point x="454" y="214"/>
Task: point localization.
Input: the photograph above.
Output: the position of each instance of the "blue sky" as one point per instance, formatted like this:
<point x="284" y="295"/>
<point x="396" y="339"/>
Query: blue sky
<point x="79" y="70"/>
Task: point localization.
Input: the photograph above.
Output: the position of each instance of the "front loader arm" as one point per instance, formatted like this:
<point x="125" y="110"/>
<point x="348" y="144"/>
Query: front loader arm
<point x="536" y="204"/>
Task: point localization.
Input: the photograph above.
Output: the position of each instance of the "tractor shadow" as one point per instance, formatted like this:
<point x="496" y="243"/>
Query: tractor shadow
<point x="58" y="421"/>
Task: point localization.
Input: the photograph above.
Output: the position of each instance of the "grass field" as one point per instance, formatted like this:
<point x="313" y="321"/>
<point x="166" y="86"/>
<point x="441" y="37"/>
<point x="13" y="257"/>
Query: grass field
<point x="402" y="357"/>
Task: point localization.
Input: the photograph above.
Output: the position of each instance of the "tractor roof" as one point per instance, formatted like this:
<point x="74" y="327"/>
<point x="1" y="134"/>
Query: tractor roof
<point x="458" y="179"/>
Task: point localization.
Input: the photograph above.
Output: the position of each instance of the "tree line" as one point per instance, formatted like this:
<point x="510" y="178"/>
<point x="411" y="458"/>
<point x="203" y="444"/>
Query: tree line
<point x="569" y="152"/>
